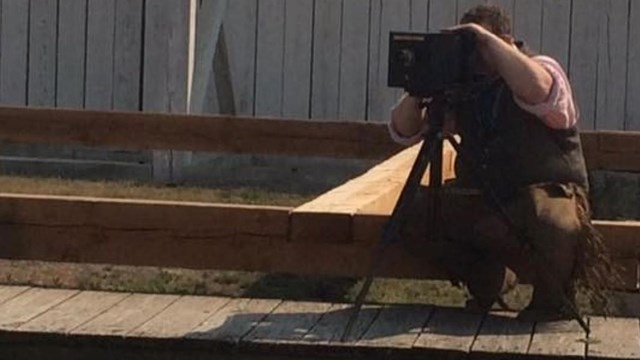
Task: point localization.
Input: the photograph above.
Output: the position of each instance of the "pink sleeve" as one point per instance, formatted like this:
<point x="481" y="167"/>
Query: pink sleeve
<point x="558" y="111"/>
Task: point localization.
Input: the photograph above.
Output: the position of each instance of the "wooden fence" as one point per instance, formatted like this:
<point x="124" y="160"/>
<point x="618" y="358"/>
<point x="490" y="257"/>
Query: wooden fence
<point x="320" y="59"/>
<point x="293" y="58"/>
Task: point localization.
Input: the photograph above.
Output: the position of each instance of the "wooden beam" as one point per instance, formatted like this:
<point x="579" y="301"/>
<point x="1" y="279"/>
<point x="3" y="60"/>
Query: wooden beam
<point x="144" y="131"/>
<point x="327" y="218"/>
<point x="215" y="236"/>
<point x="612" y="150"/>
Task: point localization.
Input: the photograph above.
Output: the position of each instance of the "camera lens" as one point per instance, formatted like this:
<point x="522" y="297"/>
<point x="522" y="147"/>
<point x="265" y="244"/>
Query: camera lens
<point x="406" y="57"/>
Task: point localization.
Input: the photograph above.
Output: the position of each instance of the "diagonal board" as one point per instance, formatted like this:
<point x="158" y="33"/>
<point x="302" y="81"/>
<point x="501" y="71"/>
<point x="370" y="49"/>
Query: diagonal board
<point x="328" y="218"/>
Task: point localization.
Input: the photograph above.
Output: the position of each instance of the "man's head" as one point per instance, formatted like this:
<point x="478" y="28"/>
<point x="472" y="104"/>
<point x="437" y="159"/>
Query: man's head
<point x="492" y="18"/>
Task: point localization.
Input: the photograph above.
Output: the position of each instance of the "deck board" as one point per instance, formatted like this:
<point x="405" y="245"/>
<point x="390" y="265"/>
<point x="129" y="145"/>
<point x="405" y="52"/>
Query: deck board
<point x="614" y="338"/>
<point x="30" y="304"/>
<point x="449" y="333"/>
<point x="9" y="292"/>
<point x="558" y="340"/>
<point x="127" y="315"/>
<point x="396" y="327"/>
<point x="502" y="333"/>
<point x="61" y="324"/>
<point x="234" y="320"/>
<point x="74" y="312"/>
<point x="179" y="318"/>
<point x="288" y="323"/>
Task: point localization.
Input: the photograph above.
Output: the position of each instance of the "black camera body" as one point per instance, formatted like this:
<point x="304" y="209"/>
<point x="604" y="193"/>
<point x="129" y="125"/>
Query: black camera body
<point x="429" y="64"/>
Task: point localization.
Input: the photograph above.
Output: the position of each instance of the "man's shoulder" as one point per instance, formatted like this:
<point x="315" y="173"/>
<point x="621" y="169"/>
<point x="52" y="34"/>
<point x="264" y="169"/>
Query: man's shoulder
<point x="547" y="60"/>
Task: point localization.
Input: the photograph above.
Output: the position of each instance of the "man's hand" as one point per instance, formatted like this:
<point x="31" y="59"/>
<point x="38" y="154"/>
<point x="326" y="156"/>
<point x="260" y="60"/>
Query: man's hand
<point x="528" y="80"/>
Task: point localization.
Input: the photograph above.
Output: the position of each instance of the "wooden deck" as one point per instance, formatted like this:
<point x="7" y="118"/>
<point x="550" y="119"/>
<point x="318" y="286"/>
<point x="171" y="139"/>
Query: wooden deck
<point x="70" y="324"/>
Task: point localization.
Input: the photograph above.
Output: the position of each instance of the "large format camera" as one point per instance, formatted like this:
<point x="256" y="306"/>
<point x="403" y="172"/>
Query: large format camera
<point x="430" y="64"/>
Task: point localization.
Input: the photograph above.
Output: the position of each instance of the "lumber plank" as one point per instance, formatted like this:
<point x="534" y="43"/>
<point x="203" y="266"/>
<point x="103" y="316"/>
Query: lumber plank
<point x="150" y="131"/>
<point x="614" y="338"/>
<point x="179" y="318"/>
<point x="234" y="320"/>
<point x="9" y="292"/>
<point x="29" y="304"/>
<point x="127" y="315"/>
<point x="287" y="323"/>
<point x="502" y="333"/>
<point x="559" y="339"/>
<point x="396" y="326"/>
<point x="328" y="217"/>
<point x="73" y="312"/>
<point x="449" y="333"/>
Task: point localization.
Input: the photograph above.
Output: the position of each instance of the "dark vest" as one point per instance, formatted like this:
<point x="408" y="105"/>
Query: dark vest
<point x="514" y="147"/>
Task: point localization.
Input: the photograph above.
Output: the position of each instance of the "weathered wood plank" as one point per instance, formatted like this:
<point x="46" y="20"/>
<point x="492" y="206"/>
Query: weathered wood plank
<point x="296" y="87"/>
<point x="395" y="15"/>
<point x="326" y="59"/>
<point x="71" y="53"/>
<point x="449" y="332"/>
<point x="352" y="100"/>
<point x="329" y="330"/>
<point x="442" y="14"/>
<point x="29" y="304"/>
<point x="632" y="115"/>
<point x="270" y="58"/>
<point x="181" y="317"/>
<point x="560" y="339"/>
<point x="73" y="312"/>
<point x="99" y="67"/>
<point x="289" y="322"/>
<point x="127" y="53"/>
<point x="556" y="30"/>
<point x="9" y="292"/>
<point x="612" y="65"/>
<point x="197" y="133"/>
<point x="234" y="320"/>
<point x="614" y="338"/>
<point x="209" y="59"/>
<point x="584" y="61"/>
<point x="419" y="15"/>
<point x="240" y="31"/>
<point x="165" y="73"/>
<point x="503" y="334"/>
<point x="396" y="327"/>
<point x="127" y="315"/>
<point x="14" y="30"/>
<point x="42" y="53"/>
<point x="527" y="22"/>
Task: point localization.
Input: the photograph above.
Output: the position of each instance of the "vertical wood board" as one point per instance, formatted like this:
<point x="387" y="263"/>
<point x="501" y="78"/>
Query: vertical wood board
<point x="100" y="40"/>
<point x="71" y="53"/>
<point x="326" y="59"/>
<point x="14" y="32"/>
<point x="296" y="87"/>
<point x="270" y="58"/>
<point x="354" y="60"/>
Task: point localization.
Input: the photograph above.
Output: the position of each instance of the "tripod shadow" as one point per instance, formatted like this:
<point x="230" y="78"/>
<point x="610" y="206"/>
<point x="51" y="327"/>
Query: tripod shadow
<point x="374" y="324"/>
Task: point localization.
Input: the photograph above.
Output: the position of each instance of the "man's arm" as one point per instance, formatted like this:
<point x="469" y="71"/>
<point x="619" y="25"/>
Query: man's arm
<point x="526" y="78"/>
<point x="408" y="121"/>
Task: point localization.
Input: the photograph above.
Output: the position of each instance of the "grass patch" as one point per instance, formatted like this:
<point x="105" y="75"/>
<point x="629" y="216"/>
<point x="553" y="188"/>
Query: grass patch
<point x="133" y="190"/>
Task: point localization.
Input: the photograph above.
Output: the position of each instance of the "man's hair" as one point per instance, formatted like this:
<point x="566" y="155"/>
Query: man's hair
<point x="492" y="16"/>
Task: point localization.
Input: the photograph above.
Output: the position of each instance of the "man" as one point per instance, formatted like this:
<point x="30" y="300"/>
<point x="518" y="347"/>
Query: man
<point x="521" y="129"/>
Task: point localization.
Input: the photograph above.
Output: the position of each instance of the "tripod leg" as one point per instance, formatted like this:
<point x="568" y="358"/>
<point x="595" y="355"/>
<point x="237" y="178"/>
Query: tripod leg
<point x="431" y="143"/>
